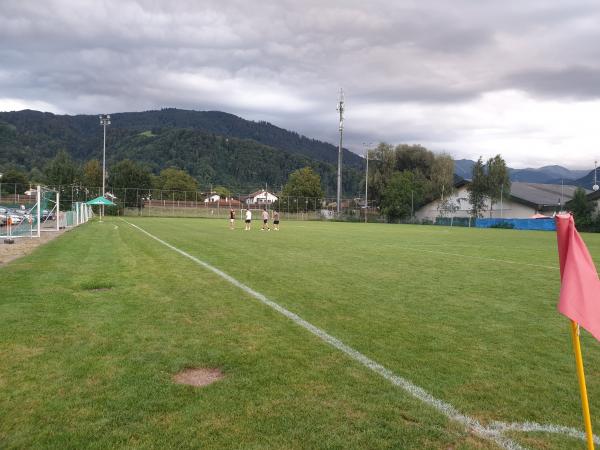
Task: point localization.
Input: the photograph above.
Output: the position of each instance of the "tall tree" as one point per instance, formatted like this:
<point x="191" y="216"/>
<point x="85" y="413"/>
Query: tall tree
<point x="128" y="180"/>
<point x="173" y="179"/>
<point x="14" y="180"/>
<point x="498" y="181"/>
<point x="303" y="185"/>
<point x="478" y="189"/>
<point x="442" y="176"/>
<point x="92" y="174"/>
<point x="582" y="209"/>
<point x="399" y="196"/>
<point x="222" y="191"/>
<point x="62" y="170"/>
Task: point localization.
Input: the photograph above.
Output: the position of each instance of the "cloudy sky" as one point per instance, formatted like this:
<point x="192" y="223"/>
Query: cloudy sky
<point x="469" y="77"/>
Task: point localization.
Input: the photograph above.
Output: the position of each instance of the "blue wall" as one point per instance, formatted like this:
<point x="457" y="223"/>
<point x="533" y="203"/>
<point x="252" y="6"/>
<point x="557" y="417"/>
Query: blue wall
<point x="519" y="224"/>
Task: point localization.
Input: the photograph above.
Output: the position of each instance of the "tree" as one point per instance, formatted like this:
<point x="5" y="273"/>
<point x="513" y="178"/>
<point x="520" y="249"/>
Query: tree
<point x="62" y="170"/>
<point x="92" y="173"/>
<point x="477" y="189"/>
<point x="222" y="191"/>
<point x="399" y="196"/>
<point x="173" y="179"/>
<point x="303" y="185"/>
<point x="128" y="180"/>
<point x="582" y="209"/>
<point x="498" y="181"/>
<point x="442" y="176"/>
<point x="14" y="180"/>
<point x="36" y="176"/>
<point x="63" y="173"/>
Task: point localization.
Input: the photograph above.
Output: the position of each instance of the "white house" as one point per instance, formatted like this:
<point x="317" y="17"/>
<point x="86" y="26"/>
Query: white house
<point x="261" y="197"/>
<point x="523" y="201"/>
<point x="213" y="198"/>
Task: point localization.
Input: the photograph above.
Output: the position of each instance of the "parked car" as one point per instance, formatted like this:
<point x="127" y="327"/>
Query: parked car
<point x="16" y="218"/>
<point x="47" y="215"/>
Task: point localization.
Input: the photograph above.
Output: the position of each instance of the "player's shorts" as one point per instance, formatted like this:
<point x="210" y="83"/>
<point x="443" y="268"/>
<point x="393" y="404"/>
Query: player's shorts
<point x="276" y="222"/>
<point x="231" y="220"/>
<point x="265" y="220"/>
<point x="247" y="220"/>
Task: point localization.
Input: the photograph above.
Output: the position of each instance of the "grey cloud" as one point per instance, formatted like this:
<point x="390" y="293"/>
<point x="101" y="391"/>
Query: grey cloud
<point x="87" y="57"/>
<point x="571" y="82"/>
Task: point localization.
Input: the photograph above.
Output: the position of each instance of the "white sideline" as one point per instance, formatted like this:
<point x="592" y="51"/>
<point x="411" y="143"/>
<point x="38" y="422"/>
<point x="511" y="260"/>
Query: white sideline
<point x="494" y="432"/>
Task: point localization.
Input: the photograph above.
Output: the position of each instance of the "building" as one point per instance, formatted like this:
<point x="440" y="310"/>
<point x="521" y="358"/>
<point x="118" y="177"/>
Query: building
<point x="261" y="197"/>
<point x="523" y="201"/>
<point x="213" y="198"/>
<point x="594" y="197"/>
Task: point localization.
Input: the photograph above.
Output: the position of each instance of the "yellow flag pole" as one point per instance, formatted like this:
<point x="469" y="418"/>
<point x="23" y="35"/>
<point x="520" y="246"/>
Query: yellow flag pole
<point x="582" y="389"/>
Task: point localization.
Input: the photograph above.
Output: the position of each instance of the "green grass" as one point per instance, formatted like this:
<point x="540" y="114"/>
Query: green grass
<point x="94" y="324"/>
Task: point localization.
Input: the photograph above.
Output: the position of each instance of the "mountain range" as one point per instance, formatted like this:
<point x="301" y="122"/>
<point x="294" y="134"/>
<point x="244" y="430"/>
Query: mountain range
<point x="213" y="146"/>
<point x="545" y="175"/>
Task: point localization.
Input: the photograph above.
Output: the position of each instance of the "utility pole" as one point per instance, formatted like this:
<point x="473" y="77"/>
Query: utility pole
<point x="340" y="109"/>
<point x="104" y="121"/>
<point x="594" y="187"/>
<point x="367" y="145"/>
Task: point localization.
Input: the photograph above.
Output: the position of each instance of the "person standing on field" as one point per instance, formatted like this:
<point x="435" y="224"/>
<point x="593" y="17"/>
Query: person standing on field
<point x="276" y="220"/>
<point x="265" y="216"/>
<point x="248" y="219"/>
<point x="231" y="219"/>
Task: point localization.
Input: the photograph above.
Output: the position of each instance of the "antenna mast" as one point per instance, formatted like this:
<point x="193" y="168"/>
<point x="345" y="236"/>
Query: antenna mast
<point x="340" y="109"/>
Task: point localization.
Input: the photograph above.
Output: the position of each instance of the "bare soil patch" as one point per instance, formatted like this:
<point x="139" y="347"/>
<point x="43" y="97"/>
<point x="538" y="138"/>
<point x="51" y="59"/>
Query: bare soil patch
<point x="200" y="376"/>
<point x="24" y="246"/>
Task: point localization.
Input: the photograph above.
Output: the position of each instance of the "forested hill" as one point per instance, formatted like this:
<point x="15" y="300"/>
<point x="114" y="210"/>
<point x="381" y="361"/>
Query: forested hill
<point x="29" y="139"/>
<point x="215" y="122"/>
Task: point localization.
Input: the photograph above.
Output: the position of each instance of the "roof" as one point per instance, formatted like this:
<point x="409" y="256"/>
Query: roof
<point x="261" y="192"/>
<point x="594" y="195"/>
<point x="538" y="194"/>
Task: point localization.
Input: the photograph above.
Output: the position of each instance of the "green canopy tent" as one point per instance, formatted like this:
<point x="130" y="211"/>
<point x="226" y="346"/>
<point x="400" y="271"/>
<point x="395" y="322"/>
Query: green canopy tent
<point x="100" y="201"/>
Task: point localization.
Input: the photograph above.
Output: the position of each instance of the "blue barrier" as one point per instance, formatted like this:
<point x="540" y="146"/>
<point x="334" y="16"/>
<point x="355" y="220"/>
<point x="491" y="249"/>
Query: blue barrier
<point x="518" y="224"/>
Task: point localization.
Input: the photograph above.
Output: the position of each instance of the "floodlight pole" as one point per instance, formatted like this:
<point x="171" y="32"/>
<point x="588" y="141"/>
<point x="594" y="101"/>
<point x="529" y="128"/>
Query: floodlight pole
<point x="340" y="109"/>
<point x="104" y="121"/>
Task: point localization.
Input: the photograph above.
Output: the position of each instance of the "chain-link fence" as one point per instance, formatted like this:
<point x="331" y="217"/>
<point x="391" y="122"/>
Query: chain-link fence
<point x="209" y="204"/>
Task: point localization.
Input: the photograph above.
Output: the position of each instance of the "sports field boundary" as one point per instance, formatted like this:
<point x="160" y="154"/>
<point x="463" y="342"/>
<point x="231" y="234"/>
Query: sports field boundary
<point x="494" y="432"/>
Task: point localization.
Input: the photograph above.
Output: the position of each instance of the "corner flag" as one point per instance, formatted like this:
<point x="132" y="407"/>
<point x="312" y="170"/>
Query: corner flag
<point x="580" y="286"/>
<point x="579" y="300"/>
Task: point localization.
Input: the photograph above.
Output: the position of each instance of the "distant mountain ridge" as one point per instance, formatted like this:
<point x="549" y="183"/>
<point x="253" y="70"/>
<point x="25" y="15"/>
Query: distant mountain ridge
<point x="553" y="174"/>
<point x="214" y="147"/>
<point x="215" y="122"/>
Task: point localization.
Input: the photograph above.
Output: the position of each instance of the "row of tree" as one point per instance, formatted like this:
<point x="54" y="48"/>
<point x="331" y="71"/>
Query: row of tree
<point x="63" y="171"/>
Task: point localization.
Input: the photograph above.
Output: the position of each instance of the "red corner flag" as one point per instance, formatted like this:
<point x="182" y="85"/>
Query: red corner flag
<point x="580" y="286"/>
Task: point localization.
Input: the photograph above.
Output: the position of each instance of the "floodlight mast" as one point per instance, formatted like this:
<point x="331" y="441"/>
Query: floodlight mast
<point x="104" y="121"/>
<point x="340" y="109"/>
<point x="595" y="187"/>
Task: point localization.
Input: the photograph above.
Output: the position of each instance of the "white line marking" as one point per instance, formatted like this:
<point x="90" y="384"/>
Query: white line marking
<point x="494" y="432"/>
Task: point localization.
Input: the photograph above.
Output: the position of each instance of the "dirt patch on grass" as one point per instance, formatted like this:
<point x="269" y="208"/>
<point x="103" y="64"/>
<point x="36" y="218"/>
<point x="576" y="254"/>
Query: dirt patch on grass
<point x="24" y="246"/>
<point x="199" y="376"/>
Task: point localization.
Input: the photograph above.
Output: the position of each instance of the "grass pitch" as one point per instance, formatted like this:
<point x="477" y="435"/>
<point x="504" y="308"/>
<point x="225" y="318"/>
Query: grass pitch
<point x="94" y="325"/>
